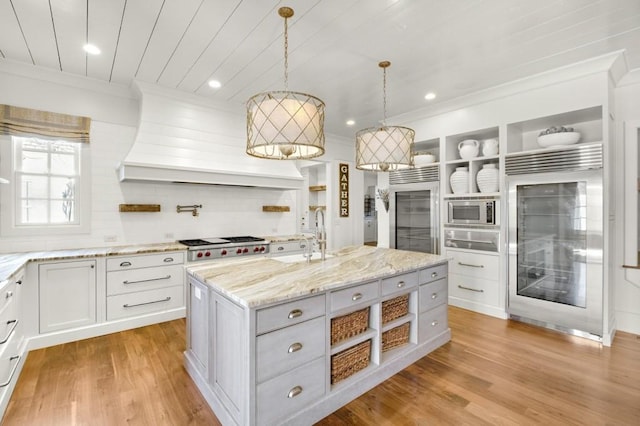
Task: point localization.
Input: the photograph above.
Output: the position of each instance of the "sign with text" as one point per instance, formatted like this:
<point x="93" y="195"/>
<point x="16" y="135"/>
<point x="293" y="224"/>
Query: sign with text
<point x="344" y="190"/>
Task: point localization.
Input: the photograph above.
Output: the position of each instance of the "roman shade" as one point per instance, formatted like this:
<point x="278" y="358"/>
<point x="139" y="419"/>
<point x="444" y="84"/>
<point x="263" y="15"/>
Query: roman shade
<point x="17" y="121"/>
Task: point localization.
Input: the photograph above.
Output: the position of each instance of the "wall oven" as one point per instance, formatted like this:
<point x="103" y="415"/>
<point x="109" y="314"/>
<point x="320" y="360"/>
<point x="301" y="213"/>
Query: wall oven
<point x="413" y="209"/>
<point x="473" y="212"/>
<point x="555" y="233"/>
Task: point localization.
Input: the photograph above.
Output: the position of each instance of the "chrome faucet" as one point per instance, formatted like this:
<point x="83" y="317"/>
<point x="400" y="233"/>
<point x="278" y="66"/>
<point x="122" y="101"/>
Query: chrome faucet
<point x="321" y="232"/>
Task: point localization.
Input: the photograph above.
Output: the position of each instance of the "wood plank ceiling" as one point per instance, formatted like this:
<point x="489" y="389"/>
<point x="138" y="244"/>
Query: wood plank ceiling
<point x="448" y="47"/>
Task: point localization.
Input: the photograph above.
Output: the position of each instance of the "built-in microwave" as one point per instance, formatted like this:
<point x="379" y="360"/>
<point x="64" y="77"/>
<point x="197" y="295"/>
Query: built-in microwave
<point x="473" y="212"/>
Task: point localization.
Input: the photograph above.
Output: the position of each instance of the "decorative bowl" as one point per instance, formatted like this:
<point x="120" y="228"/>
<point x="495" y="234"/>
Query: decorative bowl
<point x="558" y="139"/>
<point x="422" y="158"/>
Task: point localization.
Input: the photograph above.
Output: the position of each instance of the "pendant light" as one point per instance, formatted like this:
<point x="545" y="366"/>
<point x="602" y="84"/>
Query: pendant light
<point x="384" y="148"/>
<point x="285" y="125"/>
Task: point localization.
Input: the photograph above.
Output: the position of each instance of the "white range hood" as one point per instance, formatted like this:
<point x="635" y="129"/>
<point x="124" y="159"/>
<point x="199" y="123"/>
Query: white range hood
<point x="189" y="139"/>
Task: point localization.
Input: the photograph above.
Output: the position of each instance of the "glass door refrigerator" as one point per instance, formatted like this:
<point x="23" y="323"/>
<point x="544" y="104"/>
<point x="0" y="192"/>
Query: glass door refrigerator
<point x="414" y="218"/>
<point x="555" y="249"/>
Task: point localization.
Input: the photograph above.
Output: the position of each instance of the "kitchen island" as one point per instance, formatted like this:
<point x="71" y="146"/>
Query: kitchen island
<point x="286" y="341"/>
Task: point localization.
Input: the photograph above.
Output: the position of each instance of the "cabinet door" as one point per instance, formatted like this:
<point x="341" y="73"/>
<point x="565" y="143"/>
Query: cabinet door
<point x="67" y="295"/>
<point x="198" y="325"/>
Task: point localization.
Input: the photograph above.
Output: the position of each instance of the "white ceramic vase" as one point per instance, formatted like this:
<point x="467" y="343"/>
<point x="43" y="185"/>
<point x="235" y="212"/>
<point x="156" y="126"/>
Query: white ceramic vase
<point x="487" y="178"/>
<point x="459" y="180"/>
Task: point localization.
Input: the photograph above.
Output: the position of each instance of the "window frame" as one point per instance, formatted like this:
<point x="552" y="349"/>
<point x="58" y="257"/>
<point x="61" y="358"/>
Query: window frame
<point x="10" y="199"/>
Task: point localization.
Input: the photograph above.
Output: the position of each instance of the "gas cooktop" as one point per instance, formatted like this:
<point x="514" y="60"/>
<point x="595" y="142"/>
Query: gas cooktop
<point x="221" y="247"/>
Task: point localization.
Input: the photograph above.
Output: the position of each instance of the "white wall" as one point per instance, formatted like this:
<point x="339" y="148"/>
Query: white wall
<point x="114" y="113"/>
<point x="627" y="281"/>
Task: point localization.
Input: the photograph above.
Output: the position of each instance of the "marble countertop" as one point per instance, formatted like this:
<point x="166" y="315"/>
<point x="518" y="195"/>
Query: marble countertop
<point x="11" y="263"/>
<point x="253" y="282"/>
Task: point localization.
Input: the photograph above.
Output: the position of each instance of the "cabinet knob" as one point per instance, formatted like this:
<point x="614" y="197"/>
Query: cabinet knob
<point x="400" y="284"/>
<point x="295" y="314"/>
<point x="434" y="323"/>
<point x="294" y="392"/>
<point x="356" y="296"/>
<point x="434" y="295"/>
<point x="19" y="282"/>
<point x="434" y="274"/>
<point x="295" y="347"/>
<point x="9" y="294"/>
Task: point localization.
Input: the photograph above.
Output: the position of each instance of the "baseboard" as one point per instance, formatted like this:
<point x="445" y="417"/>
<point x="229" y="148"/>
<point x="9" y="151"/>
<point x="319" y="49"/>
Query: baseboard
<point x="478" y="307"/>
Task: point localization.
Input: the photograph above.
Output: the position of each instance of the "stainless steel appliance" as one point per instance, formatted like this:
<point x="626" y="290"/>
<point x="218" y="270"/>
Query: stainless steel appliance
<point x="555" y="239"/>
<point x="226" y="247"/>
<point x="472" y="239"/>
<point x="413" y="210"/>
<point x="473" y="211"/>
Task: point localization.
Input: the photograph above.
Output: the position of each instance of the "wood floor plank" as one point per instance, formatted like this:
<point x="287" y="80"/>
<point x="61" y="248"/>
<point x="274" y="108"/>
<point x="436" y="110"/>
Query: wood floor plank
<point x="493" y="372"/>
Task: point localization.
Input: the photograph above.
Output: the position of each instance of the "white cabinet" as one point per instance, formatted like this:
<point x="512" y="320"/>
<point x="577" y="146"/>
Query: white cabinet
<point x="198" y="325"/>
<point x="144" y="284"/>
<point x="67" y="295"/>
<point x="370" y="230"/>
<point x="11" y="337"/>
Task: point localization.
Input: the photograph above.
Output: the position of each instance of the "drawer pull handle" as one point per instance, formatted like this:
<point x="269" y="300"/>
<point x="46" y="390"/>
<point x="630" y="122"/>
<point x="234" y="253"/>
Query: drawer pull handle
<point x="13" y="327"/>
<point x="280" y="248"/>
<point x="434" y="296"/>
<point x="9" y="294"/>
<point x="295" y="347"/>
<point x="356" y="296"/>
<point x="13" y="370"/>
<point x="19" y="282"/>
<point x="166" y="299"/>
<point x="295" y="314"/>
<point x="434" y="323"/>
<point x="470" y="265"/>
<point x="400" y="284"/>
<point x="434" y="274"/>
<point x="168" y="259"/>
<point x="166" y="277"/>
<point x="472" y="289"/>
<point x="294" y="392"/>
<point x="125" y="264"/>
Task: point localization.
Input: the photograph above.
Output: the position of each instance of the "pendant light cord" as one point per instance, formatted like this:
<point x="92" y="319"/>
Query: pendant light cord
<point x="384" y="96"/>
<point x="286" y="55"/>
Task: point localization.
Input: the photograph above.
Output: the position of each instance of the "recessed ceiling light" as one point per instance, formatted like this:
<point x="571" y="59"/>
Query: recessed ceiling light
<point x="215" y="84"/>
<point x="350" y="122"/>
<point x="91" y="49"/>
<point x="430" y="96"/>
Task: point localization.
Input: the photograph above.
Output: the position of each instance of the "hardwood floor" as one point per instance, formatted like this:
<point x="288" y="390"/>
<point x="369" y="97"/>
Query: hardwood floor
<point x="492" y="372"/>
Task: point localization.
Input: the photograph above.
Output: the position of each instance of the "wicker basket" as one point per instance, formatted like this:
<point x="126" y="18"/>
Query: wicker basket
<point x="350" y="361"/>
<point x="395" y="337"/>
<point x="349" y="325"/>
<point x="395" y="308"/>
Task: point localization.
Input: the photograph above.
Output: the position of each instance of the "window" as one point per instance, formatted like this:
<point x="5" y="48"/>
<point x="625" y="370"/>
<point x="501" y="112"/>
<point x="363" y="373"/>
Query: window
<point x="48" y="191"/>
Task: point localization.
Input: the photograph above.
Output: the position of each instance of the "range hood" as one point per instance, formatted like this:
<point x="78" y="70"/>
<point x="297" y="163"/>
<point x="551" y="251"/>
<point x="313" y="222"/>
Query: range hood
<point x="189" y="139"/>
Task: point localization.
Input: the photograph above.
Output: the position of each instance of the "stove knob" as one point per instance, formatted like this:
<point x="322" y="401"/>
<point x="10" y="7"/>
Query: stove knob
<point x="199" y="254"/>
<point x="239" y="251"/>
<point x="246" y="250"/>
<point x="223" y="253"/>
<point x="256" y="249"/>
<point x="262" y="249"/>
<point x="207" y="254"/>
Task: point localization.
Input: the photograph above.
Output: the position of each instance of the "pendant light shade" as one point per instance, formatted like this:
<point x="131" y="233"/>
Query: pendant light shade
<point x="285" y="125"/>
<point x="384" y="148"/>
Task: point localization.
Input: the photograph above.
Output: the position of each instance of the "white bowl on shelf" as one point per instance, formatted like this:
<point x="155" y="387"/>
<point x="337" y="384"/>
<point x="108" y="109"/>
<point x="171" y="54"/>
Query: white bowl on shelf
<point x="421" y="159"/>
<point x="558" y="139"/>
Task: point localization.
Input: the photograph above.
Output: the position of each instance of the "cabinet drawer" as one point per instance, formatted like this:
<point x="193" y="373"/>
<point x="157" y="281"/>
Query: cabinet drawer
<point x="432" y="294"/>
<point x="287" y="247"/>
<point x="144" y="302"/>
<point x="474" y="289"/>
<point x="8" y="308"/>
<point x="290" y="313"/>
<point x="120" y="263"/>
<point x="399" y="282"/>
<point x="478" y="265"/>
<point x="433" y="273"/>
<point x="282" y="396"/>
<point x="432" y="323"/>
<point x="119" y="282"/>
<point x="10" y="363"/>
<point x="287" y="348"/>
<point x="353" y="296"/>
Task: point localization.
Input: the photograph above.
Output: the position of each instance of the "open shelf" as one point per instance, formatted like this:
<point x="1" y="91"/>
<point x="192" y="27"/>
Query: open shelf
<point x="352" y="341"/>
